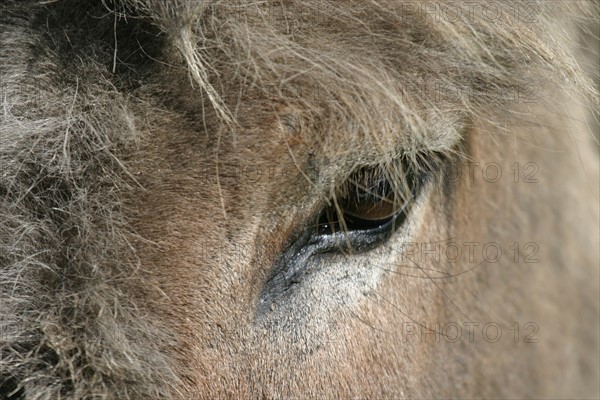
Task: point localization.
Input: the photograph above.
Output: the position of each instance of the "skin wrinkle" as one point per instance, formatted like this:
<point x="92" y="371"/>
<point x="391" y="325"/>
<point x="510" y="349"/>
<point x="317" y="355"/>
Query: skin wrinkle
<point x="158" y="161"/>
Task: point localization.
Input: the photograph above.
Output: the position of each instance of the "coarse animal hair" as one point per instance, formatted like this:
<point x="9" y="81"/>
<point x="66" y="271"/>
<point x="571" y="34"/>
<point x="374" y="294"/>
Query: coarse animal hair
<point x="85" y="84"/>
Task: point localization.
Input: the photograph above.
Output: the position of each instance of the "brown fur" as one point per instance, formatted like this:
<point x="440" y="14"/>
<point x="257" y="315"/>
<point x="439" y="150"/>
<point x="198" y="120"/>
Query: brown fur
<point x="158" y="158"/>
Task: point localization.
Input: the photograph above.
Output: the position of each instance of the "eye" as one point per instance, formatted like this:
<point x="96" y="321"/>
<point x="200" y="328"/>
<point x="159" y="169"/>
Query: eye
<point x="374" y="201"/>
<point x="363" y="212"/>
<point x="368" y="207"/>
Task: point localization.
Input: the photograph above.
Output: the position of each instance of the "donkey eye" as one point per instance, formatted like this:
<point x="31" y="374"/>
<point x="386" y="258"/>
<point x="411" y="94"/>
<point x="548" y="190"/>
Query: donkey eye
<point x="362" y="214"/>
<point x="365" y="209"/>
<point x="371" y="201"/>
